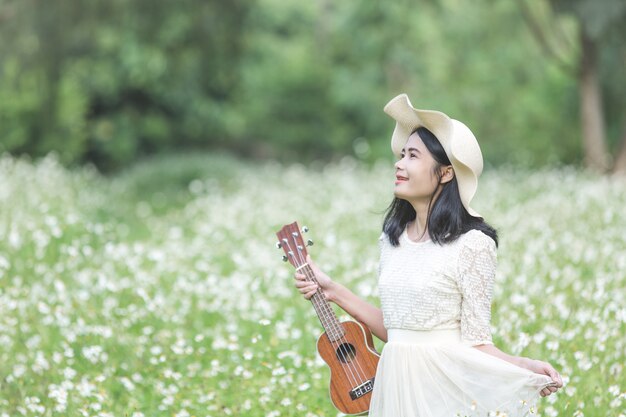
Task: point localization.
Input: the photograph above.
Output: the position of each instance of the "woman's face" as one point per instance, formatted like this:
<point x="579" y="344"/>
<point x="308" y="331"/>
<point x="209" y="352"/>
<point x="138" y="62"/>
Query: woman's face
<point x="415" y="178"/>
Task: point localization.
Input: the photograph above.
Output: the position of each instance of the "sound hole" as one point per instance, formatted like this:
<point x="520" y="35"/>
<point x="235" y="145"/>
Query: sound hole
<point x="346" y="352"/>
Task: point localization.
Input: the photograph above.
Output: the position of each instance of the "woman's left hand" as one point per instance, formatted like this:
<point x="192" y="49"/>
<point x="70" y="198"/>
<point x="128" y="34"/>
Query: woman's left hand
<point x="544" y="368"/>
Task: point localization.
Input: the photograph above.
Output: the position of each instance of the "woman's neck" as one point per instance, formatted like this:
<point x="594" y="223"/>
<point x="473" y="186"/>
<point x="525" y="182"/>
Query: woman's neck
<point x="418" y="228"/>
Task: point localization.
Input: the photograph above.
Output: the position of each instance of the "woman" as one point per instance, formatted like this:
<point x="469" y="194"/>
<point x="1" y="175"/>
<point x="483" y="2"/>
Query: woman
<point x="436" y="275"/>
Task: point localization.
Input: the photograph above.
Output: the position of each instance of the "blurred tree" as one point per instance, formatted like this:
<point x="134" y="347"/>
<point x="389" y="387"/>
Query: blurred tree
<point x="111" y="80"/>
<point x="601" y="47"/>
<point x="316" y="76"/>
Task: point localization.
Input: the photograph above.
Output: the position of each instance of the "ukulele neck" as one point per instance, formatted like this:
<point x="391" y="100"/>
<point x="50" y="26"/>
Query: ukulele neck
<point x="324" y="311"/>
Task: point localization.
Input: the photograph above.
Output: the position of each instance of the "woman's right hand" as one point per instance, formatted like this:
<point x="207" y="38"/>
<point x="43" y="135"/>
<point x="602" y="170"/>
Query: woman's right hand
<point x="544" y="368"/>
<point x="308" y="288"/>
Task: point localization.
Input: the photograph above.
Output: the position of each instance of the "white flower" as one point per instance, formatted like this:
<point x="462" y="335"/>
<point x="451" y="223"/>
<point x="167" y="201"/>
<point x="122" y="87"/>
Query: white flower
<point x="128" y="384"/>
<point x="85" y="388"/>
<point x="58" y="393"/>
<point x="94" y="354"/>
<point x="182" y="413"/>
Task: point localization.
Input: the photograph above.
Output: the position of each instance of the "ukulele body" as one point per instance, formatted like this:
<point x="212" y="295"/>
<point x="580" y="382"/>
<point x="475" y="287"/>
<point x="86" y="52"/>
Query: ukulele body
<point x="352" y="360"/>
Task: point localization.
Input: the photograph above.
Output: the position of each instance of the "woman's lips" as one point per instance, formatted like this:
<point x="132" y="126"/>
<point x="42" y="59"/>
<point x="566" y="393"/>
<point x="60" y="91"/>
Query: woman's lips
<point x="400" y="179"/>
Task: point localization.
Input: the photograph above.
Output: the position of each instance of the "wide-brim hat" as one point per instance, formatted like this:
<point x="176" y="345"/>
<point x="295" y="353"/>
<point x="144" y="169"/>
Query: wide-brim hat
<point x="457" y="140"/>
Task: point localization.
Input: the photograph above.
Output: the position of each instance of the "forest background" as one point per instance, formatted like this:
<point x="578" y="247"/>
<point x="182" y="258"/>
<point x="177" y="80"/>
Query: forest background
<point x="149" y="151"/>
<point x="109" y="82"/>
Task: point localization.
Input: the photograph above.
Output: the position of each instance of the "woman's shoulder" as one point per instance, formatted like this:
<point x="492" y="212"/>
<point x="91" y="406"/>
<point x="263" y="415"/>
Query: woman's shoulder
<point x="475" y="238"/>
<point x="477" y="252"/>
<point x="384" y="242"/>
<point x="383" y="239"/>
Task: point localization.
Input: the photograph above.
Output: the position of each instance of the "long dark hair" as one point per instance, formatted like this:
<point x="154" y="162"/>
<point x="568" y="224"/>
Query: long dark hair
<point x="447" y="217"/>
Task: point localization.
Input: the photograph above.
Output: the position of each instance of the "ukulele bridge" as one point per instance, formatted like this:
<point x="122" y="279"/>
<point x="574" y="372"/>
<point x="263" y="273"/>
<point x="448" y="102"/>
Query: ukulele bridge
<point x="362" y="389"/>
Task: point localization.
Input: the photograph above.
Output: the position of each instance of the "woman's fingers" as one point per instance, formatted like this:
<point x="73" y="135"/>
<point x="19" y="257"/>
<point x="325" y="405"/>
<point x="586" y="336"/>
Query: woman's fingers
<point x="304" y="283"/>
<point x="558" y="379"/>
<point x="552" y="373"/>
<point x="308" y="291"/>
<point x="306" y="288"/>
<point x="548" y="390"/>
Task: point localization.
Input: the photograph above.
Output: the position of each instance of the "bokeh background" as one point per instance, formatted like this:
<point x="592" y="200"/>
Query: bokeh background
<point x="149" y="151"/>
<point x="108" y="82"/>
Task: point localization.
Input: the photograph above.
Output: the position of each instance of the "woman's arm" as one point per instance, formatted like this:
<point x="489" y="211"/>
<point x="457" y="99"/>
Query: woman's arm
<point x="356" y="307"/>
<point x="539" y="367"/>
<point x="361" y="310"/>
<point x="493" y="350"/>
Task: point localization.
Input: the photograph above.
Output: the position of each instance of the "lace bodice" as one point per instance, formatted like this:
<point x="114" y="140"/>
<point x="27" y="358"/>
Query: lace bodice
<point x="426" y="286"/>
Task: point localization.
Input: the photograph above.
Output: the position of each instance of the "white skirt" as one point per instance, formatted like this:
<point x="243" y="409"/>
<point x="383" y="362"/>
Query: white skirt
<point x="432" y="374"/>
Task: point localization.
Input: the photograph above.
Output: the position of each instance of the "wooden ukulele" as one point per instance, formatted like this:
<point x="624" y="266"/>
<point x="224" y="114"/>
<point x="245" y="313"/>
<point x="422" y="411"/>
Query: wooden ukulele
<point x="346" y="347"/>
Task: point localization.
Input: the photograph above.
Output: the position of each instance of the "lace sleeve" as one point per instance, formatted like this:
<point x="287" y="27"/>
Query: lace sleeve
<point x="477" y="268"/>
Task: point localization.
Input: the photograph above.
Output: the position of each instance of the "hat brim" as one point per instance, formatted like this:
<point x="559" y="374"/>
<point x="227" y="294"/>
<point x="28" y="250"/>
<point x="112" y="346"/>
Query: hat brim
<point x="409" y="118"/>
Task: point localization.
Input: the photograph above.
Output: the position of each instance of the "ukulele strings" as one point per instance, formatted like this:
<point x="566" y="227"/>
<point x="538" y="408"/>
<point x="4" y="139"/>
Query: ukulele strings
<point x="331" y="325"/>
<point x="324" y="315"/>
<point x="360" y="376"/>
<point x="343" y="351"/>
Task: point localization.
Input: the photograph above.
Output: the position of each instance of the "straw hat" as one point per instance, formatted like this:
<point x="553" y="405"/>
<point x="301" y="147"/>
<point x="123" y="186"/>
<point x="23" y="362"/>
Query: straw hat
<point x="457" y="140"/>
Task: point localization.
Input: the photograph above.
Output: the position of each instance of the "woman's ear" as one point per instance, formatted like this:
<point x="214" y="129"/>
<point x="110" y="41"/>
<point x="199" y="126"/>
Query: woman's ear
<point x="447" y="173"/>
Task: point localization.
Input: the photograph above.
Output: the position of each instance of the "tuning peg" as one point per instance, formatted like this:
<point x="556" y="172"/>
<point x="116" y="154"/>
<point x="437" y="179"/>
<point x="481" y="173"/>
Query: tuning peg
<point x="285" y="258"/>
<point x="309" y="242"/>
<point x="278" y="245"/>
<point x="305" y="229"/>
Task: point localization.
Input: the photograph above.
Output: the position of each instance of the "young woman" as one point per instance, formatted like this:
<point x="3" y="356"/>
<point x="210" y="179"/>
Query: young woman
<point x="436" y="276"/>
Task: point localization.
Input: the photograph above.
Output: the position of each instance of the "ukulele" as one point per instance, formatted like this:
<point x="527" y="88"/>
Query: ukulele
<point x="346" y="347"/>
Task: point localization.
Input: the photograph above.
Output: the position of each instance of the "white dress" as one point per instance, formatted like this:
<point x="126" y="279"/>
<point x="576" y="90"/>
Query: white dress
<point x="436" y="304"/>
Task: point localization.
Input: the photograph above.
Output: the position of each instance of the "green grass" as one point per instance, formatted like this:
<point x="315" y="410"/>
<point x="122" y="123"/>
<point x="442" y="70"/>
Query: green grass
<point x="159" y="292"/>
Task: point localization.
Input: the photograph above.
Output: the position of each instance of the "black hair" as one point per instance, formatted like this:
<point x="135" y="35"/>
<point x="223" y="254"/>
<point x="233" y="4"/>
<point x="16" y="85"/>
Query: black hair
<point x="447" y="218"/>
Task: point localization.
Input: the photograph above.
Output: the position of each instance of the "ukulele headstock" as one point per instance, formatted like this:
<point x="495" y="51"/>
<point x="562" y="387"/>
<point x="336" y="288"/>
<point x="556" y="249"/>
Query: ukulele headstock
<point x="290" y="240"/>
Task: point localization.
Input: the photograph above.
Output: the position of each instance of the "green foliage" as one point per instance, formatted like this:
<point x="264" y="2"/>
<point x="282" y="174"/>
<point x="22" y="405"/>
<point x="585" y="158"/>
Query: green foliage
<point x="112" y="81"/>
<point x="109" y="81"/>
<point x="605" y="22"/>
<point x="598" y="16"/>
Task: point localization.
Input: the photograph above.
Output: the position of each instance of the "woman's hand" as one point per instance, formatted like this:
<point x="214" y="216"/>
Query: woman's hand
<point x="309" y="288"/>
<point x="544" y="368"/>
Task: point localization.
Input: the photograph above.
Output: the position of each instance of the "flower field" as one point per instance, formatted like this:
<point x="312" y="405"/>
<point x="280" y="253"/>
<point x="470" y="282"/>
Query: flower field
<point x="160" y="292"/>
